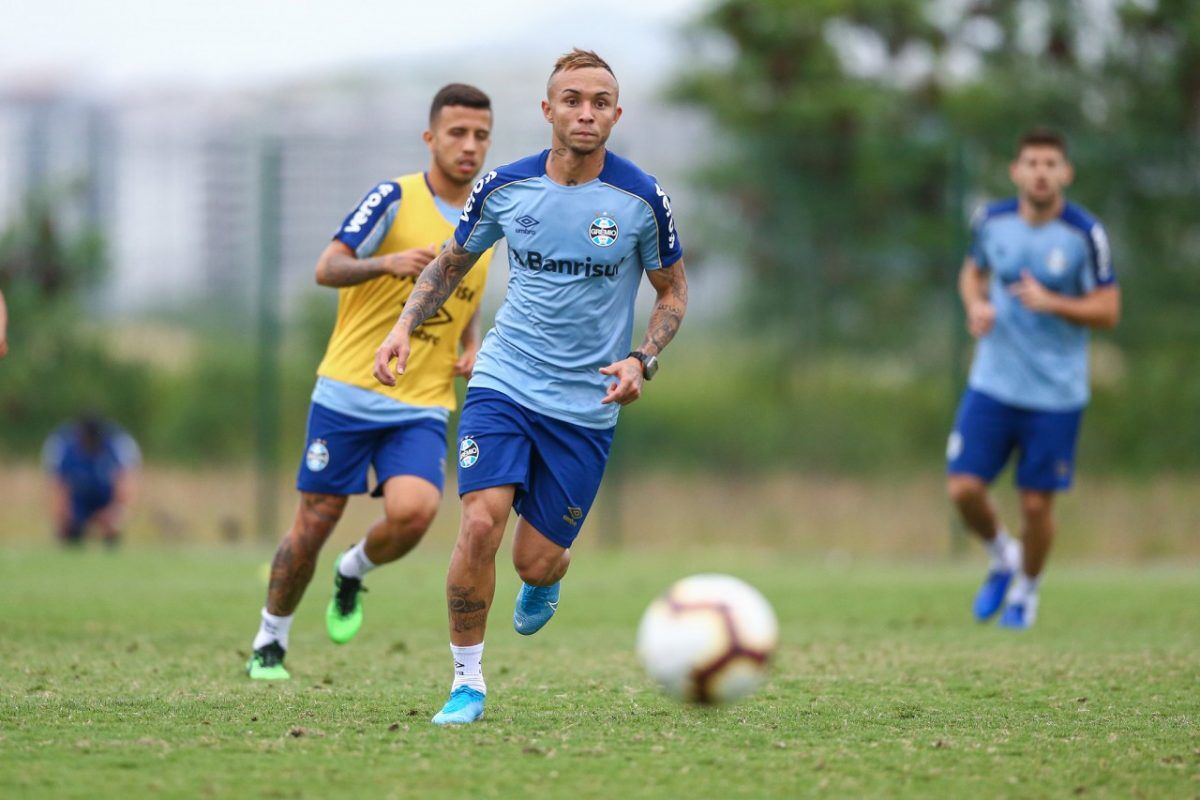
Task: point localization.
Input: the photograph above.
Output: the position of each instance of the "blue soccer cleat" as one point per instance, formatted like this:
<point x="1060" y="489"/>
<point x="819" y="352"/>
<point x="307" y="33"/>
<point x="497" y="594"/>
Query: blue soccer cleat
<point x="991" y="594"/>
<point x="1020" y="615"/>
<point x="465" y="705"/>
<point x="535" y="606"/>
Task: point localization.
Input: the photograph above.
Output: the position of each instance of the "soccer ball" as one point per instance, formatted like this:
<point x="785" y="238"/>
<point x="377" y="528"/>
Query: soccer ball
<point x="708" y="638"/>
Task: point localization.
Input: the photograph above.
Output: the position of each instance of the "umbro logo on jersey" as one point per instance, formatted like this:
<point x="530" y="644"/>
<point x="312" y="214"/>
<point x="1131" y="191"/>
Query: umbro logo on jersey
<point x="527" y="223"/>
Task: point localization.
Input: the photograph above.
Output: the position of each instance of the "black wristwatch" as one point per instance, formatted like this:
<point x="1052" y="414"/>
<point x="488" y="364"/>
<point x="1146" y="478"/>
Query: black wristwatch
<point x="649" y="363"/>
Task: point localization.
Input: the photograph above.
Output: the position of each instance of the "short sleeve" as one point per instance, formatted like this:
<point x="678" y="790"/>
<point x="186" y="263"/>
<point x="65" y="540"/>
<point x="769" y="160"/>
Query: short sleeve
<point x="661" y="247"/>
<point x="129" y="455"/>
<point x="366" y="226"/>
<point x="975" y="249"/>
<point x="53" y="451"/>
<point x="479" y="225"/>
<point x="1100" y="267"/>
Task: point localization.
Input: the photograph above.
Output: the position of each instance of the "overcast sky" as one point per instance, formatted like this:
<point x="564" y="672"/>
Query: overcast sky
<point x="127" y="44"/>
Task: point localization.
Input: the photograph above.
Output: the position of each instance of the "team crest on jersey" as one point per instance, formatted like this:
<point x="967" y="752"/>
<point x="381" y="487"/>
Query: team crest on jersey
<point x="317" y="457"/>
<point x="1056" y="262"/>
<point x="468" y="453"/>
<point x="603" y="231"/>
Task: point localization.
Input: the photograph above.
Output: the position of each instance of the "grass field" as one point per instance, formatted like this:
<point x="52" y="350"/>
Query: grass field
<point x="121" y="676"/>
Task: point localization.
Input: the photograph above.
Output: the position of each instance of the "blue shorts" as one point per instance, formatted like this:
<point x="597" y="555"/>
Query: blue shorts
<point x="341" y="447"/>
<point x="84" y="505"/>
<point x="555" y="465"/>
<point x="986" y="431"/>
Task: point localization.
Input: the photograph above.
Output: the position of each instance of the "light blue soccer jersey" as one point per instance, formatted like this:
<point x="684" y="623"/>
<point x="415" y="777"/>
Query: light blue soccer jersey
<point x="576" y="256"/>
<point x="1037" y="360"/>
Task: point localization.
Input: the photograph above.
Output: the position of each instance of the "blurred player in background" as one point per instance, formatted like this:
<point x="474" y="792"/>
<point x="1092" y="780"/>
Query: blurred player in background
<point x="582" y="225"/>
<point x="1038" y="276"/>
<point x="93" y="466"/>
<point x="355" y="423"/>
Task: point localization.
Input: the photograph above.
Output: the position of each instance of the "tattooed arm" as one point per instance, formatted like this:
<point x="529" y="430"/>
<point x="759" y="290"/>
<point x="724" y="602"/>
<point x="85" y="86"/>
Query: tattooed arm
<point x="338" y="266"/>
<point x="434" y="285"/>
<point x="670" y="283"/>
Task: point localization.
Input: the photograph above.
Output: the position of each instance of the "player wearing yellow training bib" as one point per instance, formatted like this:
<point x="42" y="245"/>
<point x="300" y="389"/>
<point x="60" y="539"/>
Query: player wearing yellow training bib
<point x="354" y="422"/>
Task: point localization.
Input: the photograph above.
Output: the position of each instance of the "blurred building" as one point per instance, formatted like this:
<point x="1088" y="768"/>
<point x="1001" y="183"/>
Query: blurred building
<point x="173" y="178"/>
<point x="56" y="144"/>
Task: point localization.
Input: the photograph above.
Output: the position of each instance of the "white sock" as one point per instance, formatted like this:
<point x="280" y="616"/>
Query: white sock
<point x="1005" y="551"/>
<point x="354" y="563"/>
<point x="1024" y="587"/>
<point x="468" y="667"/>
<point x="273" y="629"/>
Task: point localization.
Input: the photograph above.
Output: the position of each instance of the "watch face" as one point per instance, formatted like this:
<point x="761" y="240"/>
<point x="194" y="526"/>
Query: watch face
<point x="649" y="367"/>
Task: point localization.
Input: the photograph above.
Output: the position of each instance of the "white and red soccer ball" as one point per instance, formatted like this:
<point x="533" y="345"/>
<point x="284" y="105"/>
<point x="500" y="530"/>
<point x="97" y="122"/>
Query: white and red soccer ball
<point x="708" y="639"/>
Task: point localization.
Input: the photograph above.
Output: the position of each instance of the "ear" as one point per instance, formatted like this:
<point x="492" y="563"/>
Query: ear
<point x="547" y="112"/>
<point x="617" y="116"/>
<point x="1012" y="170"/>
<point x="1068" y="174"/>
<point x="427" y="137"/>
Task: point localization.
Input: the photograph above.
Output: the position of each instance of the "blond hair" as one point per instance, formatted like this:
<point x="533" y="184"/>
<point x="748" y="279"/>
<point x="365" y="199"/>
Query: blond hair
<point x="579" y="59"/>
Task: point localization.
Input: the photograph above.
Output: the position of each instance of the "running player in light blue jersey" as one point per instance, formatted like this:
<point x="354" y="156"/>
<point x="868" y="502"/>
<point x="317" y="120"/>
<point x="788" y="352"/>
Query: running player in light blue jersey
<point x="1038" y="276"/>
<point x="582" y="226"/>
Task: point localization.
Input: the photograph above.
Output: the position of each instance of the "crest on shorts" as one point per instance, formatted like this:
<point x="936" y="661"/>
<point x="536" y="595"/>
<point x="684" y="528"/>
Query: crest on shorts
<point x="317" y="457"/>
<point x="954" y="446"/>
<point x="603" y="231"/>
<point x="468" y="452"/>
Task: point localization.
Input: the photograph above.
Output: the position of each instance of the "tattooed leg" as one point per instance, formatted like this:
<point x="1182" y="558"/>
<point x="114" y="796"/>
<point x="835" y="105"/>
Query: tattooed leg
<point x="471" y="582"/>
<point x="296" y="558"/>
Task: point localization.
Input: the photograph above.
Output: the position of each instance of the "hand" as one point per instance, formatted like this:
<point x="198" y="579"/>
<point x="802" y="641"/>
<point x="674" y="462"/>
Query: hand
<point x="628" y="387"/>
<point x="466" y="362"/>
<point x="1033" y="295"/>
<point x="981" y="316"/>
<point x="112" y="516"/>
<point x="394" y="346"/>
<point x="409" y="263"/>
<point x="3" y="345"/>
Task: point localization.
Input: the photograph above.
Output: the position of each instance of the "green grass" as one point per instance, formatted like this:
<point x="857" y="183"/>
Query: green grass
<point x="121" y="676"/>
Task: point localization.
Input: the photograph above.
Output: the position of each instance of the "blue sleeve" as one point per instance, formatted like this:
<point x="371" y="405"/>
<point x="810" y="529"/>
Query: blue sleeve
<point x="975" y="248"/>
<point x="1100" y="272"/>
<point x="126" y="450"/>
<point x="662" y="247"/>
<point x="53" y="451"/>
<point x="366" y="226"/>
<point x="478" y="228"/>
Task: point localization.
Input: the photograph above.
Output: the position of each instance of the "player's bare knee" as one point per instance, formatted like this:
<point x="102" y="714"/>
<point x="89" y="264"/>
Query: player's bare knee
<point x="965" y="489"/>
<point x="1036" y="505"/>
<point x="318" y="516"/>
<point x="479" y="536"/>
<point x="411" y="520"/>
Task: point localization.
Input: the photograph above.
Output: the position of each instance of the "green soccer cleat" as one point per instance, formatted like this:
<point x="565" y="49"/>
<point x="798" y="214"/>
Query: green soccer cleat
<point x="344" y="614"/>
<point x="267" y="663"/>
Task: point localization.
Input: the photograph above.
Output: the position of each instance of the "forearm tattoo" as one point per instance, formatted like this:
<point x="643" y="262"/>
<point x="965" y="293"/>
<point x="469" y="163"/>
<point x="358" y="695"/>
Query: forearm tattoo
<point x="467" y="610"/>
<point x="436" y="282"/>
<point x="344" y="270"/>
<point x="667" y="315"/>
<point x="296" y="559"/>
